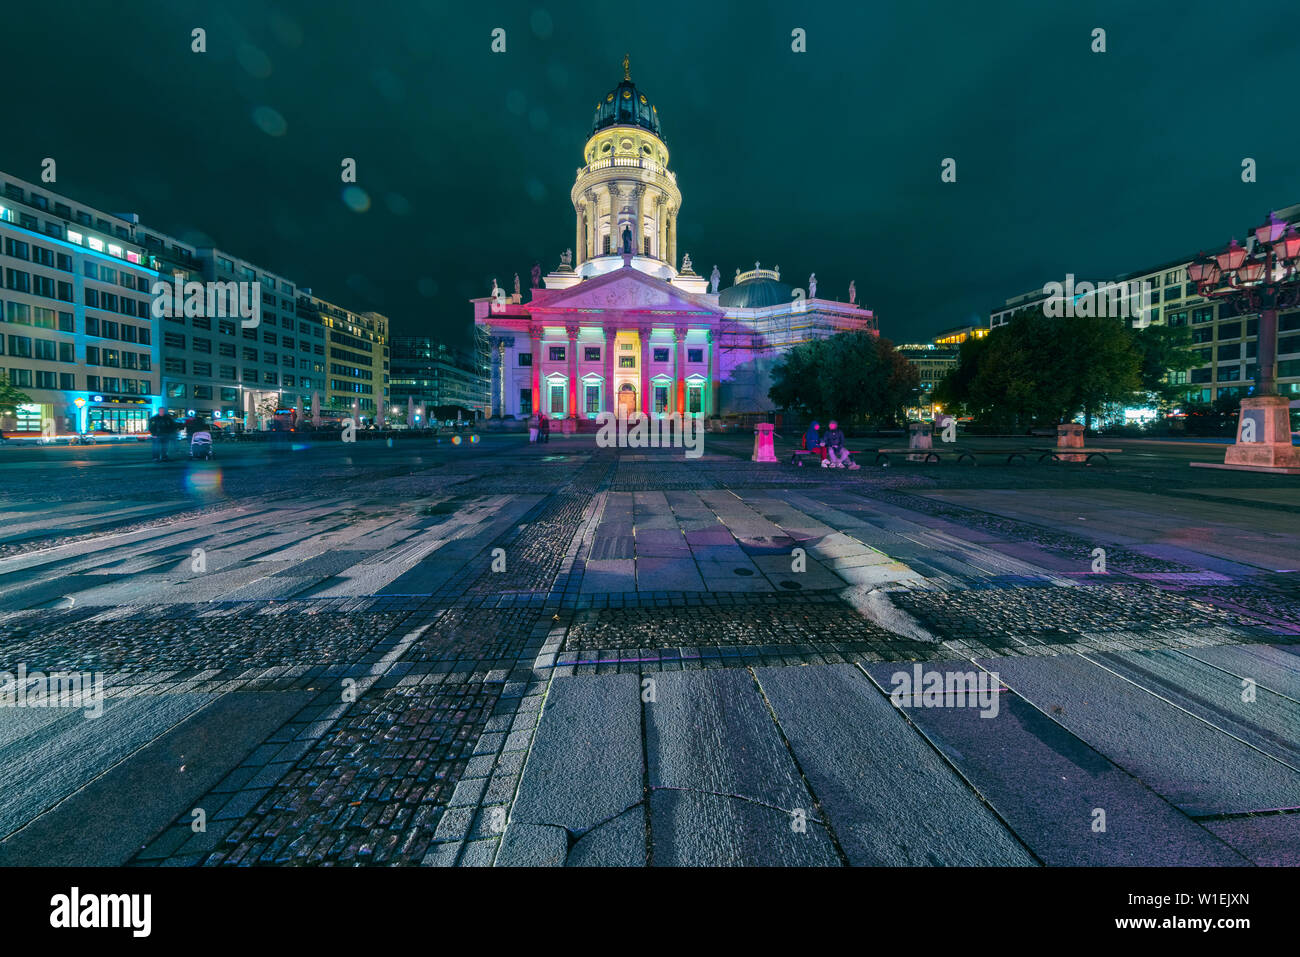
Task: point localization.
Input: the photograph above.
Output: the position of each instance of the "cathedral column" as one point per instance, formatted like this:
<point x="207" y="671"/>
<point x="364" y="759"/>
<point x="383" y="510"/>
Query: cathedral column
<point x="580" y="240"/>
<point x="638" y="197"/>
<point x="644" y="333"/>
<point x="535" y="333"/>
<point x="593" y="224"/>
<point x="661" y="230"/>
<point x="672" y="238"/>
<point x="679" y="367"/>
<point x="611" y="400"/>
<point x="573" y="371"/>
<point x="714" y="384"/>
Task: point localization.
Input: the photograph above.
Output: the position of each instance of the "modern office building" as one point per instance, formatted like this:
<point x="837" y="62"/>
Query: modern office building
<point x="356" y="355"/>
<point x="1223" y="337"/>
<point x="429" y="374"/>
<point x="228" y="363"/>
<point x="932" y="361"/>
<point x="76" y="333"/>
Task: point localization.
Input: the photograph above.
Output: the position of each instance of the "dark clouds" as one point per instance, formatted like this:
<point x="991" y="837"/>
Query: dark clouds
<point x="826" y="161"/>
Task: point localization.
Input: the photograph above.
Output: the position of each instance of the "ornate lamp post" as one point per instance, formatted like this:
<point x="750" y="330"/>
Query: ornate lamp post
<point x="1262" y="280"/>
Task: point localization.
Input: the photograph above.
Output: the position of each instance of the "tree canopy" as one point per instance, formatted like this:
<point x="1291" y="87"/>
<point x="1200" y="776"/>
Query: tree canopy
<point x="1037" y="369"/>
<point x="11" y="397"/>
<point x="854" y="376"/>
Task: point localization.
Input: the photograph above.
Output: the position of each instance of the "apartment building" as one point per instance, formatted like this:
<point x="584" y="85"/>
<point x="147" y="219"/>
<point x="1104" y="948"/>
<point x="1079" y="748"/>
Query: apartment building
<point x="356" y="355"/>
<point x="76" y="332"/>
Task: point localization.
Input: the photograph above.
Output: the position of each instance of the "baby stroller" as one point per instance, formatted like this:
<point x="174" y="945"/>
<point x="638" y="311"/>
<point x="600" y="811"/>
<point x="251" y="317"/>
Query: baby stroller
<point x="201" y="446"/>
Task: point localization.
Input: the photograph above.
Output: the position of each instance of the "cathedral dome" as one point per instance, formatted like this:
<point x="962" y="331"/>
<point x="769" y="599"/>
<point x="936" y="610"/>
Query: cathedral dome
<point x="757" y="289"/>
<point x="625" y="105"/>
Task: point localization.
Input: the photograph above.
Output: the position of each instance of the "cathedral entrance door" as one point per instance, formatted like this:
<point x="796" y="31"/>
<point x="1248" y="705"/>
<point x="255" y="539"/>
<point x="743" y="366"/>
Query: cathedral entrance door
<point x="627" y="405"/>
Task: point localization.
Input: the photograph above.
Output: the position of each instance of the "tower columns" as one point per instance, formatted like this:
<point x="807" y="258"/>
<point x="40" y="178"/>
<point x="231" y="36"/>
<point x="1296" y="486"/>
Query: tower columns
<point x="672" y="237"/>
<point x="580" y="241"/>
<point x="638" y="198"/>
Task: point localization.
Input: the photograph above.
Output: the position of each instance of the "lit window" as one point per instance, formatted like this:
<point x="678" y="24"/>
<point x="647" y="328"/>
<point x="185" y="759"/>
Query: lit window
<point x="74" y="237"/>
<point x="96" y="244"/>
<point x="115" y="251"/>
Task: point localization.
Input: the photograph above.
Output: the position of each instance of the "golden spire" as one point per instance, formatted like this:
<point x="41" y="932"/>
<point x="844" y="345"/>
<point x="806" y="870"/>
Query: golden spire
<point x="627" y="72"/>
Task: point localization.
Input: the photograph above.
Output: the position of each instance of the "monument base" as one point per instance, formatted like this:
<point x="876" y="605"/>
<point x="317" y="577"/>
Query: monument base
<point x="1263" y="438"/>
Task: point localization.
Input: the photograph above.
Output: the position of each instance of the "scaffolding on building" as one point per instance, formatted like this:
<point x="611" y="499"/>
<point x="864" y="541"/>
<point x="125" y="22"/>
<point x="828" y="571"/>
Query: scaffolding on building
<point x="482" y="350"/>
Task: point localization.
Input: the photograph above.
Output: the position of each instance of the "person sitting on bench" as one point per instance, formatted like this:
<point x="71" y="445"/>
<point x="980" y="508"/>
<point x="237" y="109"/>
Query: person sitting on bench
<point x="812" y="440"/>
<point x="837" y="453"/>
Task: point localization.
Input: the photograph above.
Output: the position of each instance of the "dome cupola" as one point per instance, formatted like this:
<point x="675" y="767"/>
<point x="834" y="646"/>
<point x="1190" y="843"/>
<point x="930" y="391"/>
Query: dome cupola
<point x="625" y="105"/>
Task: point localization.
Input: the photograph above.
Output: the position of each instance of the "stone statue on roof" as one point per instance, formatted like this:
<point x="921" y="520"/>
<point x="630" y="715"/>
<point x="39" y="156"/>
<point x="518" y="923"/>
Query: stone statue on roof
<point x="715" y="277"/>
<point x="812" y="286"/>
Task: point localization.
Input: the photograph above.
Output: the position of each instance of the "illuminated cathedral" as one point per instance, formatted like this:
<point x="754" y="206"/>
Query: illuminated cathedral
<point x="620" y="325"/>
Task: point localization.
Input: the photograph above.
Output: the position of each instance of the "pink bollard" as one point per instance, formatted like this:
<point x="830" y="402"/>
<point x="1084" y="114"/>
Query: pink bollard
<point x="764" y="450"/>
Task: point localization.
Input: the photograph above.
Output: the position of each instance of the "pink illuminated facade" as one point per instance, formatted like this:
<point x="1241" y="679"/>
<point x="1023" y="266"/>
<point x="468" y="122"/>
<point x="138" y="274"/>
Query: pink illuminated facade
<point x="618" y="327"/>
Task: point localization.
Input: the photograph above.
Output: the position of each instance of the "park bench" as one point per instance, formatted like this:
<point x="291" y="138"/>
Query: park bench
<point x="798" y="455"/>
<point x="1013" y="456"/>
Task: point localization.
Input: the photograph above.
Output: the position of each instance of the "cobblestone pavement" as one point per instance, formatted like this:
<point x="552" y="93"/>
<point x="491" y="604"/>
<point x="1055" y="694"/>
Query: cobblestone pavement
<point x="360" y="642"/>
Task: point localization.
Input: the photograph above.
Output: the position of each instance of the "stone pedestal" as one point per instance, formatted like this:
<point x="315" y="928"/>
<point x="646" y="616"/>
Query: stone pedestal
<point x="1263" y="438"/>
<point x="1069" y="435"/>
<point x="764" y="450"/>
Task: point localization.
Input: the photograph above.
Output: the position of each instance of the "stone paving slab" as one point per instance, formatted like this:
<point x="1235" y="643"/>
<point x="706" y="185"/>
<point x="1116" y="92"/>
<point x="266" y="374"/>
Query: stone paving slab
<point x="1271" y="840"/>
<point x="52" y="761"/>
<point x="115" y="815"/>
<point x="1048" y="785"/>
<point x="694" y="829"/>
<point x="585" y="765"/>
<point x="711" y="732"/>
<point x="888" y="797"/>
<point x="1269" y="722"/>
<point x="1194" y="765"/>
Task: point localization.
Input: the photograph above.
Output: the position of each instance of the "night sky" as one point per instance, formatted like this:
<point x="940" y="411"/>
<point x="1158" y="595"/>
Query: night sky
<point x="826" y="161"/>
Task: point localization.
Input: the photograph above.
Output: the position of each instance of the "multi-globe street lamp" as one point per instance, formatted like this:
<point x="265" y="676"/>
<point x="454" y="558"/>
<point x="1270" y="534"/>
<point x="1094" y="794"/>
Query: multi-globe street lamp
<point x="1263" y="279"/>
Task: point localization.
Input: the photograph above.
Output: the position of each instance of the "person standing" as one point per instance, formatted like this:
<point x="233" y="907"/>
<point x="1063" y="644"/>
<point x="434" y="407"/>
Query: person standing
<point x="161" y="426"/>
<point x="544" y="430"/>
<point x="532" y="429"/>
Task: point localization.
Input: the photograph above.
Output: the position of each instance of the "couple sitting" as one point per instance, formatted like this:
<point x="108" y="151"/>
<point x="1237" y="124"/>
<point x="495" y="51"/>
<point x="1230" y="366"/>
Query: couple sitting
<point x="829" y="445"/>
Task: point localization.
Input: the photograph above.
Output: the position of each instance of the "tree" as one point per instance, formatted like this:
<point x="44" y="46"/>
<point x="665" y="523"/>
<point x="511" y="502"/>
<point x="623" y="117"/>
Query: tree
<point x="851" y="376"/>
<point x="1162" y="350"/>
<point x="11" y="397"/>
<point x="1043" y="369"/>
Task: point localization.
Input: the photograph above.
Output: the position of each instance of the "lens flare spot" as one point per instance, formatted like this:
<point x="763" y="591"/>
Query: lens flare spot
<point x="205" y="481"/>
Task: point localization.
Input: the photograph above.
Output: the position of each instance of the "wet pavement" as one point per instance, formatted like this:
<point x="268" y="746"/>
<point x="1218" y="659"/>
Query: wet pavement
<point x="490" y="653"/>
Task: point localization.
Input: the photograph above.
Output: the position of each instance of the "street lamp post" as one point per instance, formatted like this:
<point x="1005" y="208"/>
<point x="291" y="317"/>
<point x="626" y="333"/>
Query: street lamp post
<point x="1262" y="280"/>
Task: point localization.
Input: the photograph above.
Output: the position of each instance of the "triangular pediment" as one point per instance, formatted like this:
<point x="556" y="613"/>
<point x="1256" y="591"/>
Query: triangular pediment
<point x="623" y="289"/>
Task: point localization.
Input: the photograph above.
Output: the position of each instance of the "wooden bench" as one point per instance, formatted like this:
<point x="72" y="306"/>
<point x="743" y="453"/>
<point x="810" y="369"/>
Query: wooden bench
<point x="1013" y="456"/>
<point x="797" y="456"/>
